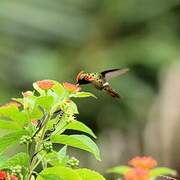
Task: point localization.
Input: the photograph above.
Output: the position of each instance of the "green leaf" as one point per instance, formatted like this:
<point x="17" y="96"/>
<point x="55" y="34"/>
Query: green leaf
<point x="45" y="102"/>
<point x="69" y="107"/>
<point x="62" y="156"/>
<point x="52" y="158"/>
<point x="64" y="173"/>
<point x="78" y="141"/>
<point x="58" y="89"/>
<point x="61" y="127"/>
<point x="119" y="170"/>
<point x="51" y="177"/>
<point x="77" y="125"/>
<point x="87" y="174"/>
<point x="13" y="113"/>
<point x="57" y="158"/>
<point x="162" y="171"/>
<point x="153" y="178"/>
<point x="72" y="108"/>
<point x="11" y="125"/>
<point x="82" y="95"/>
<point x="36" y="113"/>
<point x="10" y="139"/>
<point x="21" y="159"/>
<point x="55" y="107"/>
<point x="3" y="159"/>
<point x="62" y="153"/>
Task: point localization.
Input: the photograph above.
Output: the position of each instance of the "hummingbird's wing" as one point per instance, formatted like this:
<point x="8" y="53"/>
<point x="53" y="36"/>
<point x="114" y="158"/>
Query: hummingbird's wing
<point x="113" y="73"/>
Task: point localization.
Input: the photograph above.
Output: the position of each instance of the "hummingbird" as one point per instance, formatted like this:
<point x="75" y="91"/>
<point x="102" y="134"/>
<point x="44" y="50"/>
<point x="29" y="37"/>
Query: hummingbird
<point x="100" y="79"/>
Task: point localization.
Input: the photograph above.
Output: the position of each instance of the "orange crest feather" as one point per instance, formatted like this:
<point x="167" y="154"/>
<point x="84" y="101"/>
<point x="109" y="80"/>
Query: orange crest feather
<point x="79" y="74"/>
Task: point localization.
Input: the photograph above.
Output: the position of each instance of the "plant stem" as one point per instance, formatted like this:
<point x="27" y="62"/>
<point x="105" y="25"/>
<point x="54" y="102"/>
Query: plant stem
<point x="35" y="160"/>
<point x="39" y="160"/>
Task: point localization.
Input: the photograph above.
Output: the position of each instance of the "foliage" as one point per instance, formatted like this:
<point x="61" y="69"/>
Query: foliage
<point x="38" y="121"/>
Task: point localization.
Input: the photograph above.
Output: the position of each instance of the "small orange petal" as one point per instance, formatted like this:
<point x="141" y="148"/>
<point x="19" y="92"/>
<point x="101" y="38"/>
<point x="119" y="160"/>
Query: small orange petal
<point x="137" y="174"/>
<point x="143" y="162"/>
<point x="45" y="84"/>
<point x="71" y="87"/>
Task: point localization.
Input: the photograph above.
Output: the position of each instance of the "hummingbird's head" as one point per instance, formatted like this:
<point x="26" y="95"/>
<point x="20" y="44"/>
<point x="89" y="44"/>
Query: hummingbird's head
<point x="81" y="78"/>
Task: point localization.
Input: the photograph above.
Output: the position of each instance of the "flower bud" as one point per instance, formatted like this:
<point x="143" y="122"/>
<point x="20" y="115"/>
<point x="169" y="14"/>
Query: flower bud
<point x="25" y="139"/>
<point x="73" y="162"/>
<point x="48" y="147"/>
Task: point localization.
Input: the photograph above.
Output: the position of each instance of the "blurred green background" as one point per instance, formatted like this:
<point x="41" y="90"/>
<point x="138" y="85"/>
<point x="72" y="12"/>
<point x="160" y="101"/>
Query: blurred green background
<point x="42" y="39"/>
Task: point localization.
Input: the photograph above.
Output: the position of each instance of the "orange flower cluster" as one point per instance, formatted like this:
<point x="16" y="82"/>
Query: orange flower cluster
<point x="143" y="162"/>
<point x="71" y="87"/>
<point x="4" y="175"/>
<point x="141" y="167"/>
<point x="45" y="84"/>
<point x="137" y="174"/>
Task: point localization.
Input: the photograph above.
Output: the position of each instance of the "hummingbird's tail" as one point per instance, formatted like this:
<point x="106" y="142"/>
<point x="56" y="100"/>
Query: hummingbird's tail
<point x="111" y="92"/>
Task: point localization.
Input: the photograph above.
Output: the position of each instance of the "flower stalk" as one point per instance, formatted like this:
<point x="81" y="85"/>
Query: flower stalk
<point x="34" y="161"/>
